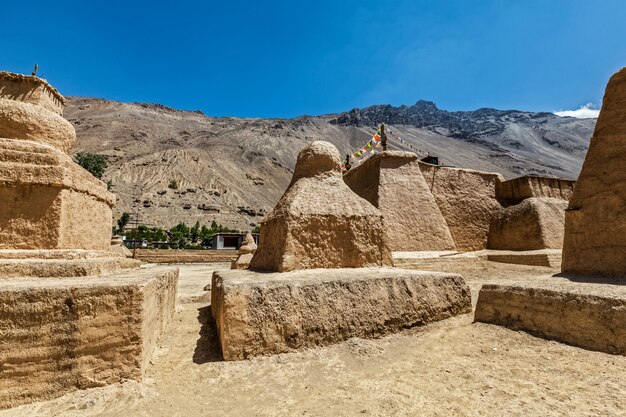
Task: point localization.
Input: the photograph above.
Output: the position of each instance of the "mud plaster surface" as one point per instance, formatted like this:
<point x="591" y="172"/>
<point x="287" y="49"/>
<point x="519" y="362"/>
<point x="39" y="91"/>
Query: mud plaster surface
<point x="452" y="368"/>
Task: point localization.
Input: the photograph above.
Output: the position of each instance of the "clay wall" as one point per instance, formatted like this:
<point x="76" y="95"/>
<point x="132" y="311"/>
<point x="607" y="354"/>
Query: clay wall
<point x="264" y="314"/>
<point x="159" y="304"/>
<point x="515" y="190"/>
<point x="86" y="222"/>
<point x="467" y="200"/>
<point x="185" y="256"/>
<point x="580" y="315"/>
<point x="535" y="223"/>
<point x="41" y="217"/>
<point x="534" y="258"/>
<point x="30" y="217"/>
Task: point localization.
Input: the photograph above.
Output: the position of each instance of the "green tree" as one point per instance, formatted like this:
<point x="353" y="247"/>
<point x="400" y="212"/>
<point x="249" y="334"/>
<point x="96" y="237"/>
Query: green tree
<point x="173" y="185"/>
<point x="95" y="164"/>
<point x="194" y="233"/>
<point x="159" y="235"/>
<point x="180" y="235"/>
<point x="151" y="234"/>
<point x="206" y="236"/>
<point x="122" y="222"/>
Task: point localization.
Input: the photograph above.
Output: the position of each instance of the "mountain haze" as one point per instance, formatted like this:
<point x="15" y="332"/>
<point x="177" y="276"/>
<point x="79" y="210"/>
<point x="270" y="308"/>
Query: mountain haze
<point x="233" y="170"/>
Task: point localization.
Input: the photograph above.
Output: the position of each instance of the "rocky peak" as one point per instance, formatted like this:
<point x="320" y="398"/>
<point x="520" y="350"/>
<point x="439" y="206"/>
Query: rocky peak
<point x="425" y="114"/>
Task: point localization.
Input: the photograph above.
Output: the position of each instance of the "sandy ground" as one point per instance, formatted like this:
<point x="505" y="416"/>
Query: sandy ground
<point x="451" y="368"/>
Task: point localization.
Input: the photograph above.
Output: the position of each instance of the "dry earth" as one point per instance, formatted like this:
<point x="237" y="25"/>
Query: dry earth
<point x="452" y="368"/>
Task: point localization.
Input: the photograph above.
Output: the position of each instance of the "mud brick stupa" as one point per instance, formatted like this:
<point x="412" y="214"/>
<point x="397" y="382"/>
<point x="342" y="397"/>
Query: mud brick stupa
<point x="72" y="313"/>
<point x="323" y="273"/>
<point x="595" y="223"/>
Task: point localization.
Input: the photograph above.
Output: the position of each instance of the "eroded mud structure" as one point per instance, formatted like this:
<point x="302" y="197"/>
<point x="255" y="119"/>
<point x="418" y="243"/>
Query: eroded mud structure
<point x="72" y="313"/>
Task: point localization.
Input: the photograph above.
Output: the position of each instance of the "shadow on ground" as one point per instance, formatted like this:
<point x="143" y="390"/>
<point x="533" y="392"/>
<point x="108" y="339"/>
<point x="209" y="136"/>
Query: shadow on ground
<point x="589" y="279"/>
<point x="207" y="346"/>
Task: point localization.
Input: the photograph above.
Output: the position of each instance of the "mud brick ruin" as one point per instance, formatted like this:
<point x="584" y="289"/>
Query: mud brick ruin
<point x="76" y="312"/>
<point x="589" y="308"/>
<point x="72" y="313"/>
<point x="392" y="182"/>
<point x="320" y="223"/>
<point x="595" y="226"/>
<point x="436" y="208"/>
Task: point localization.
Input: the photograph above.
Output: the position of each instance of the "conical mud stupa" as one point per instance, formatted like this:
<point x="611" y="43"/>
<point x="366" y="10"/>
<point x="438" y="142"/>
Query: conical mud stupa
<point x="72" y="313"/>
<point x="595" y="221"/>
<point x="319" y="222"/>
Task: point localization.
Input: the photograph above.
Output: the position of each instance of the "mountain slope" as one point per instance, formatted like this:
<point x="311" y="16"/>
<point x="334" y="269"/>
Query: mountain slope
<point x="233" y="170"/>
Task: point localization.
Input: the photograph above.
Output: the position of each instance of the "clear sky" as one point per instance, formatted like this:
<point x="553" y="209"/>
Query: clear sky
<point x="287" y="58"/>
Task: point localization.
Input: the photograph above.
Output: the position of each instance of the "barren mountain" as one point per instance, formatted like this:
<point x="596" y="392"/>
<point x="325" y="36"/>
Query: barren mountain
<point x="233" y="170"/>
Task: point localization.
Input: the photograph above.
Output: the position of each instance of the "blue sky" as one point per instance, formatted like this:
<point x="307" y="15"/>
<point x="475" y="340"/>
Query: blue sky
<point x="287" y="58"/>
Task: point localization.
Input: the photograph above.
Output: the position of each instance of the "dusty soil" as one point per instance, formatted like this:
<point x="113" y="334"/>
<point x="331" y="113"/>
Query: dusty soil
<point x="451" y="368"/>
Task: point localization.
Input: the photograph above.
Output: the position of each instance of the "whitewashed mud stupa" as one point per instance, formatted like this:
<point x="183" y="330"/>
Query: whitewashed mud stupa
<point x="326" y="273"/>
<point x="72" y="313"/>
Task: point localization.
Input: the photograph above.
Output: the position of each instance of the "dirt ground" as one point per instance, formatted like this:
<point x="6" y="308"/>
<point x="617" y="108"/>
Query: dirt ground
<point x="451" y="368"/>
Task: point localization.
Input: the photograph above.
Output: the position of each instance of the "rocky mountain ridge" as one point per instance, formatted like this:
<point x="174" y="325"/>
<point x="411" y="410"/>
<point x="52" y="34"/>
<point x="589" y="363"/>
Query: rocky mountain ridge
<point x="233" y="170"/>
<point x="426" y="114"/>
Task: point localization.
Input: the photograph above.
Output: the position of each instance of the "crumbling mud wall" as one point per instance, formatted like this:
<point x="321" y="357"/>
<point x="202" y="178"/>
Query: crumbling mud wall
<point x="467" y="200"/>
<point x="535" y="223"/>
<point x="515" y="190"/>
<point x="263" y="314"/>
<point x="591" y="316"/>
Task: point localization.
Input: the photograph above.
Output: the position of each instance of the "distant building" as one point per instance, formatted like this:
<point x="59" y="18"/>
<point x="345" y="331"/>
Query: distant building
<point x="230" y="240"/>
<point x="136" y="243"/>
<point x="160" y="245"/>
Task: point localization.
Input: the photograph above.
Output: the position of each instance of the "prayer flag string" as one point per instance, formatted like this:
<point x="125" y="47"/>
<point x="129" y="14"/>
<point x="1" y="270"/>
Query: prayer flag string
<point x="368" y="150"/>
